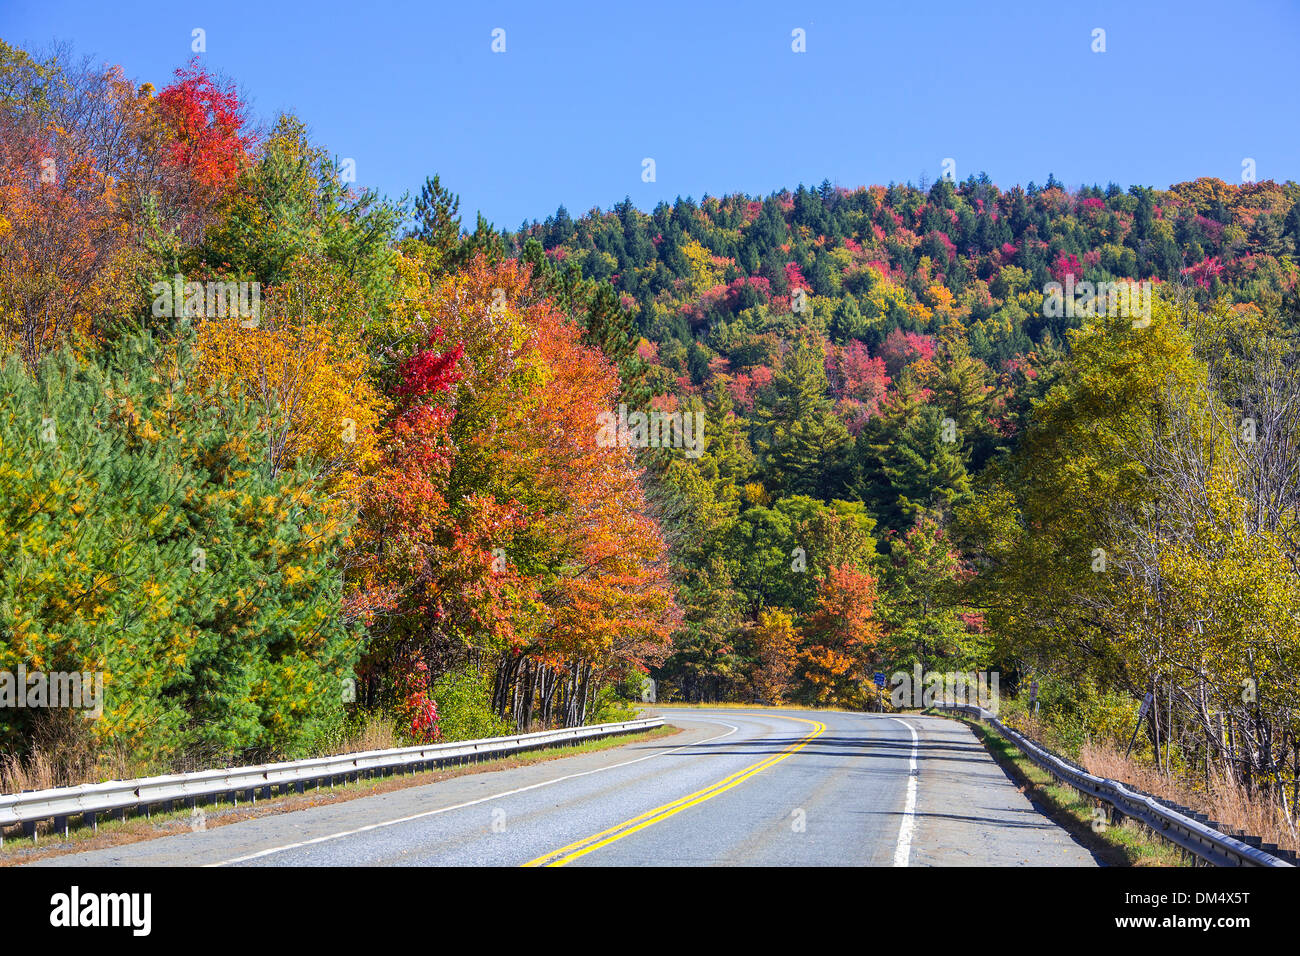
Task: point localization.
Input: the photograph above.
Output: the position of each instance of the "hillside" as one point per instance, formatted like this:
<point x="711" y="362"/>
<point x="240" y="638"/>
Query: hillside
<point x="868" y="360"/>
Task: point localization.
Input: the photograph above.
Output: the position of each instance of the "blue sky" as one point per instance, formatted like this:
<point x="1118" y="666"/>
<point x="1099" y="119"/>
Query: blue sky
<point x="716" y="96"/>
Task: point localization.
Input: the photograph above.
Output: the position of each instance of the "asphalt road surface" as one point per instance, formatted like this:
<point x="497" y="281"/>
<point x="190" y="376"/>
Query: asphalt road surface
<point x="735" y="788"/>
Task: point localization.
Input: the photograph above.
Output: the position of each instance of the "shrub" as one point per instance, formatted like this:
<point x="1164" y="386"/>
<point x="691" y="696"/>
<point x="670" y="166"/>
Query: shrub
<point x="464" y="700"/>
<point x="609" y="707"/>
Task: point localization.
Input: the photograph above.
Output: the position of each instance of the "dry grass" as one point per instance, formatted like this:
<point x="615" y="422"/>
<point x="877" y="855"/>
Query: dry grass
<point x="1224" y="801"/>
<point x="42" y="771"/>
<point x="35" y="773"/>
<point x="1126" y="844"/>
<point x="376" y="734"/>
<point x="70" y="760"/>
<point x="77" y="762"/>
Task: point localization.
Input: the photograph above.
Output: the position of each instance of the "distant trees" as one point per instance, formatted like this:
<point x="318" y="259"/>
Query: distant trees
<point x="843" y="631"/>
<point x="775" y="644"/>
<point x="802" y="440"/>
<point x="912" y="371"/>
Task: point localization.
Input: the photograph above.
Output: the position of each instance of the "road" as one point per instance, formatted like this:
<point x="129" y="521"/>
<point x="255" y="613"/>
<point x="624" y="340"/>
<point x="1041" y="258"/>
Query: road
<point x="736" y="787"/>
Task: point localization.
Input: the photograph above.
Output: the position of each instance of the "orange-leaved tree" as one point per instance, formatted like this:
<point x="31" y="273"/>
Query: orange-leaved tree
<point x="841" y="633"/>
<point x="64" y="253"/>
<point x="584" y="564"/>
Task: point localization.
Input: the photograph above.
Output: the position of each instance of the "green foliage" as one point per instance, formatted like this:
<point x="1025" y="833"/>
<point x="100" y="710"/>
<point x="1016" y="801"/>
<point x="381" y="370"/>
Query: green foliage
<point x="1045" y="519"/>
<point x="292" y="202"/>
<point x="141" y="539"/>
<point x="612" y="705"/>
<point x="464" y="699"/>
<point x="927" y="623"/>
<point x="911" y="468"/>
<point x="804" y="445"/>
<point x="437" y="219"/>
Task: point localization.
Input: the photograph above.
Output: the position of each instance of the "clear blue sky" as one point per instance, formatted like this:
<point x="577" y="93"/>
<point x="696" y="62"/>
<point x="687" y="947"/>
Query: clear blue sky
<point x="714" y="94"/>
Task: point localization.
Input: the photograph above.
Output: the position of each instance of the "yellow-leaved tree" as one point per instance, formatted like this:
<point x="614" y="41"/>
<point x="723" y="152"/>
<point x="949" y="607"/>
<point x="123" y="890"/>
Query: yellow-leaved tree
<point x="302" y="364"/>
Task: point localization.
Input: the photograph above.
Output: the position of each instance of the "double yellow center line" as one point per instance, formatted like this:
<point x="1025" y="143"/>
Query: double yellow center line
<point x="567" y="854"/>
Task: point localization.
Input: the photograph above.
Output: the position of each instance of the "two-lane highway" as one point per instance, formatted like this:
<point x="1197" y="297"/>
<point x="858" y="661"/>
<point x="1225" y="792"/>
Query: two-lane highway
<point x="736" y="787"/>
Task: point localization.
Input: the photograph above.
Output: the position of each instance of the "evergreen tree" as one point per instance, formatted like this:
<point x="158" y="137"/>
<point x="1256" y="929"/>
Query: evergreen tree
<point x="141" y="538"/>
<point x="437" y="217"/>
<point x="805" y="448"/>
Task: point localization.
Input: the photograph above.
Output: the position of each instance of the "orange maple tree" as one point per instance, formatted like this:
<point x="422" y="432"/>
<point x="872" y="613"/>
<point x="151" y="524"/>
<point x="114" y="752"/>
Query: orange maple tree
<point x="841" y="633"/>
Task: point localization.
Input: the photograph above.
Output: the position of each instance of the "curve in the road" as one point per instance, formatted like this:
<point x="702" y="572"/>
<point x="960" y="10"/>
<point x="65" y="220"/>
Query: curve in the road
<point x="834" y="788"/>
<point x="580" y="848"/>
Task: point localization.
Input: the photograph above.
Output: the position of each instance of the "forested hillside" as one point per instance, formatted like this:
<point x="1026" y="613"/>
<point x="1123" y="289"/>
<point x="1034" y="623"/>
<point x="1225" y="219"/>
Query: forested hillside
<point x="929" y="443"/>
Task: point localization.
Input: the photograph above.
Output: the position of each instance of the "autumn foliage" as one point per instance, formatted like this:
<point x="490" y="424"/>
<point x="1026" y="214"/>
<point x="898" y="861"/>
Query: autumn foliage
<point x="383" y="495"/>
<point x="205" y="121"/>
<point x="379" y="484"/>
<point x="842" y="633"/>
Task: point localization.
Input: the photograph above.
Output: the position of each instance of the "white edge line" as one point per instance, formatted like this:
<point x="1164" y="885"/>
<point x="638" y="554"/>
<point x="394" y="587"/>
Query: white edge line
<point x="904" y="848"/>
<point x="470" y="803"/>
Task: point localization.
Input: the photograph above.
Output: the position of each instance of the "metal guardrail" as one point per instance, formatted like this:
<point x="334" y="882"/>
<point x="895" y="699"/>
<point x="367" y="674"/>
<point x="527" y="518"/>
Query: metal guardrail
<point x="90" y="800"/>
<point x="1192" y="835"/>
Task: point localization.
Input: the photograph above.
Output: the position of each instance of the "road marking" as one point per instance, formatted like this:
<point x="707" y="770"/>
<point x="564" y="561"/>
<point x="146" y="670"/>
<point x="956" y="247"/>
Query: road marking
<point x="579" y="848"/>
<point x="469" y="803"/>
<point x="904" y="848"/>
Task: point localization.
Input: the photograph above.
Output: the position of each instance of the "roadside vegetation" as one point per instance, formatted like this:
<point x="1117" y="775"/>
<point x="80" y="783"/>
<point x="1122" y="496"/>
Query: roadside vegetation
<point x="1225" y="800"/>
<point x="289" y="465"/>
